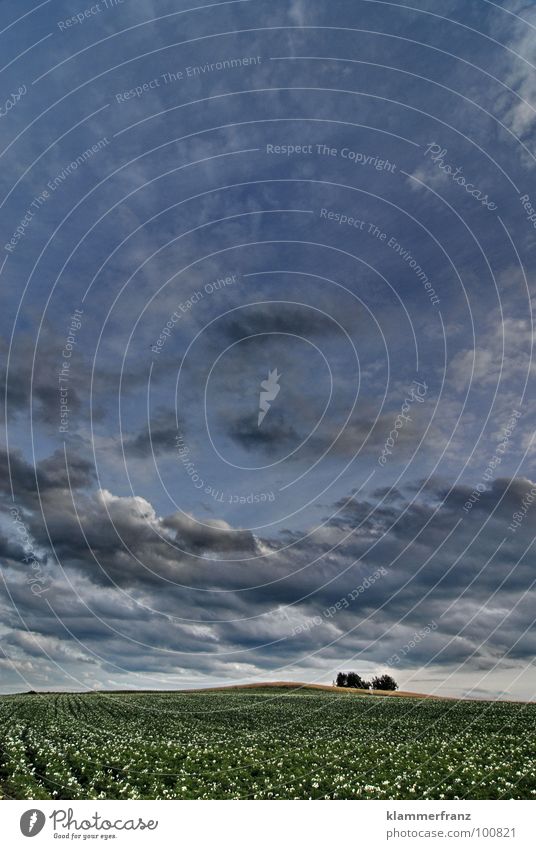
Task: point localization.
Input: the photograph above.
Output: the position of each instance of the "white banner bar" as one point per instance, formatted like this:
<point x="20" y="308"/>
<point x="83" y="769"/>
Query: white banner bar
<point x="262" y="823"/>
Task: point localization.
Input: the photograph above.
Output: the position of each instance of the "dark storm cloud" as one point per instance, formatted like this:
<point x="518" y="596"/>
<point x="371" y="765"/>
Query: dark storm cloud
<point x="33" y="374"/>
<point x="17" y="473"/>
<point x="159" y="437"/>
<point x="463" y="583"/>
<point x="278" y="318"/>
<point x="48" y="476"/>
<point x="366" y="432"/>
<point x="120" y="539"/>
<point x="214" y="536"/>
<point x="502" y="494"/>
<point x="387" y="493"/>
<point x="10" y="549"/>
<point x="281" y="433"/>
<point x="61" y="471"/>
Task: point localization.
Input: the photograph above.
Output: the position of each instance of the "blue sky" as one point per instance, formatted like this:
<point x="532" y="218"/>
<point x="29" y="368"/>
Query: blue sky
<point x="194" y="196"/>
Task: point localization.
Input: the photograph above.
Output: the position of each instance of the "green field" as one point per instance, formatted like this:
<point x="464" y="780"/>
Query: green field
<point x="264" y="744"/>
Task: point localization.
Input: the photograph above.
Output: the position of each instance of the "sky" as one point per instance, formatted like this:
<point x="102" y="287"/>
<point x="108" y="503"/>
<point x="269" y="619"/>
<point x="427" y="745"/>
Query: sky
<point x="266" y="282"/>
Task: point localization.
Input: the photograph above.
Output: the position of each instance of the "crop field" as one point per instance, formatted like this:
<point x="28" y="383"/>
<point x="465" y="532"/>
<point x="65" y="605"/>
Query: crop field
<point x="263" y="744"/>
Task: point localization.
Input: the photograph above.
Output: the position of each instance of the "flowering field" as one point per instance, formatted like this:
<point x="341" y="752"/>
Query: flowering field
<point x="263" y="744"/>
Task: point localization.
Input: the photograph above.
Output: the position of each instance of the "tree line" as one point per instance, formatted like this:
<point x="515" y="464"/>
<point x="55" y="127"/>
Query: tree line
<point x="353" y="679"/>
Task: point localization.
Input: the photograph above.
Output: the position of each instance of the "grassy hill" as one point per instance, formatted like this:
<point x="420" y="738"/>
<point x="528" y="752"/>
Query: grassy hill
<point x="298" y="686"/>
<point x="265" y="741"/>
